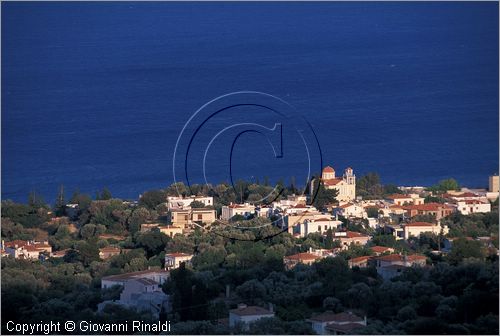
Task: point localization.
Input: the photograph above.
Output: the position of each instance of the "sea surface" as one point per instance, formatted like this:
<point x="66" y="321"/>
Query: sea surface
<point x="96" y="94"/>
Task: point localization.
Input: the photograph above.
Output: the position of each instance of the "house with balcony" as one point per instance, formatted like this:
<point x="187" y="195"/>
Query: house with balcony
<point x="27" y="249"/>
<point x="350" y="237"/>
<point x="229" y="211"/>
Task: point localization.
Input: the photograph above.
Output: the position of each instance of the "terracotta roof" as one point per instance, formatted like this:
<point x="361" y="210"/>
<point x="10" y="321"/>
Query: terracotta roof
<point x="338" y="318"/>
<point x="346" y="205"/>
<point x="31" y="248"/>
<point x="426" y="207"/>
<point x="399" y="257"/>
<point x="345" y="327"/>
<point x="330" y="182"/>
<point x="328" y="169"/>
<point x="300" y="206"/>
<point x="380" y="249"/>
<point x="42" y="245"/>
<point x="250" y="311"/>
<point x="13" y="243"/>
<point x="360" y="259"/>
<point x="303" y="256"/>
<point x="352" y="234"/>
<point x="420" y="224"/>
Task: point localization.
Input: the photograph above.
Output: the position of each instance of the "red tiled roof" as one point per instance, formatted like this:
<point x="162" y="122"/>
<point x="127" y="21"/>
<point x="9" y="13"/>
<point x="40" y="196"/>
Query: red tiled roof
<point x="380" y="249"/>
<point x="397" y="196"/>
<point x="330" y="182"/>
<point x="300" y="206"/>
<point x="426" y="207"/>
<point x="303" y="256"/>
<point x="31" y="248"/>
<point x="360" y="259"/>
<point x="13" y="243"/>
<point x="346" y="205"/>
<point x="42" y="245"/>
<point x="399" y="257"/>
<point x="344" y="328"/>
<point x="420" y="224"/>
<point x="328" y="169"/>
<point x="415" y="257"/>
<point x="352" y="234"/>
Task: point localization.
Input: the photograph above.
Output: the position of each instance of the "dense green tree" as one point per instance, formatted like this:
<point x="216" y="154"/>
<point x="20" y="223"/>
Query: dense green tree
<point x="151" y="199"/>
<point x="445" y="185"/>
<point x="384" y="240"/>
<point x="372" y="212"/>
<point x="463" y="248"/>
<point x="153" y="242"/>
<point x="323" y="196"/>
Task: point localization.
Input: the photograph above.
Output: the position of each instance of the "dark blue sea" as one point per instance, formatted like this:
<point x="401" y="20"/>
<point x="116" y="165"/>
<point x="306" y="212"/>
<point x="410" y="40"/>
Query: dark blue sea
<point x="96" y="94"/>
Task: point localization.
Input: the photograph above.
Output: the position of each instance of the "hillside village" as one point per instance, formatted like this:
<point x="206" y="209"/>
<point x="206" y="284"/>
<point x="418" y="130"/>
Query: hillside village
<point x="317" y="262"/>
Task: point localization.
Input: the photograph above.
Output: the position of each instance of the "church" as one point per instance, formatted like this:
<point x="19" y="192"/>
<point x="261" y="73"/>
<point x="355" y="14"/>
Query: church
<point x="345" y="185"/>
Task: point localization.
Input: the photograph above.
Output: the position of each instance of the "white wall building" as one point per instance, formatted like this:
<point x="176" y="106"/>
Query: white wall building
<point x="183" y="202"/>
<point x="231" y="210"/>
<point x="352" y="210"/>
<point x="320" y="225"/>
<point x="417" y="228"/>
<point x="472" y="206"/>
<point x="174" y="260"/>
